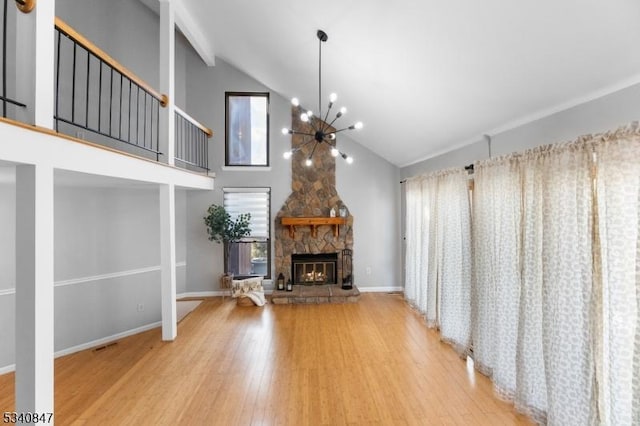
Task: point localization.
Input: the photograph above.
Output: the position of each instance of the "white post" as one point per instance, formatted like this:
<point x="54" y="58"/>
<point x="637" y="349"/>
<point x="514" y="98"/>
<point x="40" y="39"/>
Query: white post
<point x="168" y="260"/>
<point x="167" y="79"/>
<point x="34" y="289"/>
<point x="36" y="75"/>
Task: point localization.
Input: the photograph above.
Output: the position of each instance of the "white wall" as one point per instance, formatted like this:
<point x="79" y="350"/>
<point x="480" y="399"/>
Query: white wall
<point x="369" y="187"/>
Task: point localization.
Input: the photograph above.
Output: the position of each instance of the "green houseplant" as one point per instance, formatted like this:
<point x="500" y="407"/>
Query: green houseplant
<point x="222" y="229"/>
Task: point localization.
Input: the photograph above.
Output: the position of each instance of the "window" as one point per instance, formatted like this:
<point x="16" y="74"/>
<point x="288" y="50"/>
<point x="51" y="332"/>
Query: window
<point x="247" y="129"/>
<point x="252" y="256"/>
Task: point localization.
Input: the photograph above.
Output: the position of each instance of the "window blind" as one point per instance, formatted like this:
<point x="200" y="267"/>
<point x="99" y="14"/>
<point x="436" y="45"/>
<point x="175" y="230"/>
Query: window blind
<point x="250" y="200"/>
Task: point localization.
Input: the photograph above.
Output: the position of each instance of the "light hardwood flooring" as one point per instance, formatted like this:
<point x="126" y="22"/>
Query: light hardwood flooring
<point x="368" y="363"/>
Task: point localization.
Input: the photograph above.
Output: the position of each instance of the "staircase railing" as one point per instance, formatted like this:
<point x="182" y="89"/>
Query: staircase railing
<point x="191" y="141"/>
<point x="93" y="92"/>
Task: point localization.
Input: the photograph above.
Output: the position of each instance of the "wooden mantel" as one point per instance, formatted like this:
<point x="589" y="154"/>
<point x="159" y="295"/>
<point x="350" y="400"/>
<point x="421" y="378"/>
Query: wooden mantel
<point x="313" y="222"/>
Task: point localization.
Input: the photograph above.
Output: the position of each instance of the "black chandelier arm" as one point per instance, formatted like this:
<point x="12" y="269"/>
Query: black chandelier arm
<point x="294" y="132"/>
<point x="342" y="130"/>
<point x="326" y="126"/>
<point x="313" y="150"/>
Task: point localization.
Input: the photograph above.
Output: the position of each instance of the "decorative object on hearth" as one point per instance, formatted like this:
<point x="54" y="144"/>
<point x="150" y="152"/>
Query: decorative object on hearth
<point x="280" y="282"/>
<point x="347" y="269"/>
<point x="343" y="211"/>
<point x="289" y="285"/>
<point x="321" y="131"/>
<point x="332" y="212"/>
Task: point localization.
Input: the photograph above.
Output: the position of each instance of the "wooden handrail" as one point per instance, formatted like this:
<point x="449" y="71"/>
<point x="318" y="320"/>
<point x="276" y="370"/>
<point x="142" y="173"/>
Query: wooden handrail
<point x="80" y="39"/>
<point x="193" y="121"/>
<point x="25" y="6"/>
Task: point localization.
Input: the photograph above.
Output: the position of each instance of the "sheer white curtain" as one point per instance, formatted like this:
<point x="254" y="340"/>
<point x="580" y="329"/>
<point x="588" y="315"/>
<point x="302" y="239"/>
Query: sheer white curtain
<point x="438" y="252"/>
<point x="454" y="258"/>
<point x="566" y="226"/>
<point x="415" y="289"/>
<point x="496" y="301"/>
<point x="618" y="189"/>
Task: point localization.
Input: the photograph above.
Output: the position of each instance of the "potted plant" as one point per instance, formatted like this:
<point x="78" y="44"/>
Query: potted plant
<point x="222" y="229"/>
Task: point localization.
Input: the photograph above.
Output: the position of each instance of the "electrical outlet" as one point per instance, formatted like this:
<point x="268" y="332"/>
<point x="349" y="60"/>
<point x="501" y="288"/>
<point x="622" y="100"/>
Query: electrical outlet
<point x="79" y="134"/>
<point x="140" y="307"/>
<point x="368" y="270"/>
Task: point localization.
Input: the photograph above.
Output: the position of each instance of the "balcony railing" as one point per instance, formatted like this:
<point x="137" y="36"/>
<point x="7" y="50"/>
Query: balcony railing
<point x="191" y="142"/>
<point x="98" y="99"/>
<point x="95" y="93"/>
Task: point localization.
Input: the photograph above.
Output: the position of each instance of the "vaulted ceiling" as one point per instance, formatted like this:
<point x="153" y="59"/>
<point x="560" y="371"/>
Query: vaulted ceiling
<point x="427" y="76"/>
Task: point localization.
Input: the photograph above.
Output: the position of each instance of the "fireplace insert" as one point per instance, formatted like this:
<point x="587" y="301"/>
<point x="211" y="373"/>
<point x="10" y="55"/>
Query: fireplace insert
<point x="309" y="269"/>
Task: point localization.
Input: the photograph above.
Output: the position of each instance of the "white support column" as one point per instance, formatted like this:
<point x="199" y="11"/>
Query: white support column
<point x="36" y="75"/>
<point x="168" y="260"/>
<point x="34" y="289"/>
<point x="167" y="79"/>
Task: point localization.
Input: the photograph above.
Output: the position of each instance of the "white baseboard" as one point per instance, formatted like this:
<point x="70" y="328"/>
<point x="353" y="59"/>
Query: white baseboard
<point x="8" y="369"/>
<point x="92" y="344"/>
<point x="202" y="294"/>
<point x="387" y="289"/>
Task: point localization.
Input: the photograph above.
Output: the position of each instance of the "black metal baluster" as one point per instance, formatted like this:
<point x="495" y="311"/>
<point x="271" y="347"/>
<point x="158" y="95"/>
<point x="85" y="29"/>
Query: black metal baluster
<point x="137" y="115"/>
<point x="57" y="113"/>
<point x="111" y="102"/>
<point x="4" y="59"/>
<point x="100" y="97"/>
<point x="129" y="111"/>
<point x="86" y="107"/>
<point x="120" y="108"/>
<point x="144" y="128"/>
<point x="73" y="87"/>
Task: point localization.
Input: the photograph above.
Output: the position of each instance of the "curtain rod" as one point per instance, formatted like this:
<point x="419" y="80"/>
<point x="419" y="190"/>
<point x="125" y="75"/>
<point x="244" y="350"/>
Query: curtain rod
<point x="468" y="168"/>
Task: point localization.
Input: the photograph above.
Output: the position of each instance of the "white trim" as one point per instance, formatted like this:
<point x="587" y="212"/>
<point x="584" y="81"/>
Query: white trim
<point x="92" y="344"/>
<point x="530" y="118"/>
<point x="99" y="277"/>
<point x="246" y="168"/>
<point x="386" y="289"/>
<point x="113" y="275"/>
<point x="265" y="189"/>
<point x="202" y="294"/>
<point x="193" y="32"/>
<point x="7" y="369"/>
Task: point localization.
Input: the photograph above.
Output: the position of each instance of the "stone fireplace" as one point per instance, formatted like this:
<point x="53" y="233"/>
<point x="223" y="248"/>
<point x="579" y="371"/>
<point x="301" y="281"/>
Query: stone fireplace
<point x="313" y="195"/>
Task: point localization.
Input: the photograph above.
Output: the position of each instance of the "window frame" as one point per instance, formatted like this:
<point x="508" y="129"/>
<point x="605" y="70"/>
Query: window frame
<point x="227" y="141"/>
<point x="251" y="240"/>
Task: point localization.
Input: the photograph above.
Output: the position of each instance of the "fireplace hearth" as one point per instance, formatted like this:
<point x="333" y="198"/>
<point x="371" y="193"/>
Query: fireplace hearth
<point x="310" y="269"/>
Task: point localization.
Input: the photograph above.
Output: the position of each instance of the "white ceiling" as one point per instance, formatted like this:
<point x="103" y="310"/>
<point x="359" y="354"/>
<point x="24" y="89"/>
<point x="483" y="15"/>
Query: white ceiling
<point x="428" y="76"/>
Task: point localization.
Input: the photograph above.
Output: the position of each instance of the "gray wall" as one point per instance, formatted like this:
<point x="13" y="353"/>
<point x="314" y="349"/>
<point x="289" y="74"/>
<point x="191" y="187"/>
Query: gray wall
<point x="599" y="115"/>
<point x="369" y="186"/>
<point x="106" y="262"/>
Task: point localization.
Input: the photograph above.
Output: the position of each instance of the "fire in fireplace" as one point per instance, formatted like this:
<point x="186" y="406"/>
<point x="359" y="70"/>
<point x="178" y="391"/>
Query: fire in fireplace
<point x="321" y="268"/>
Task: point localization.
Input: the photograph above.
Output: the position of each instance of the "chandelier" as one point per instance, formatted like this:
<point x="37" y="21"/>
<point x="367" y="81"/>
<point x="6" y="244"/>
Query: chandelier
<point x="321" y="130"/>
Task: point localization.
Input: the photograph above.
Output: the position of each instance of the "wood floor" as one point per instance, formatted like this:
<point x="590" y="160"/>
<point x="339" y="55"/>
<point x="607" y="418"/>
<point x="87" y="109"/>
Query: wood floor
<point x="371" y="362"/>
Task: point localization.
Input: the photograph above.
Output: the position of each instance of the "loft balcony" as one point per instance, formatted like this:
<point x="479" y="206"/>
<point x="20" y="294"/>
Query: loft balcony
<point x="92" y="98"/>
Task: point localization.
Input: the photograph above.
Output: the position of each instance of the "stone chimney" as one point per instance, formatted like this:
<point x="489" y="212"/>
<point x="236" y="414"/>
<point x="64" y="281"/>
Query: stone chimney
<point x="313" y="195"/>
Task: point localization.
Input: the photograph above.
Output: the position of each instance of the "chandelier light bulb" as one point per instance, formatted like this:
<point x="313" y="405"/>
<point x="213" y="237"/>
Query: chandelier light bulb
<point x="285" y="131"/>
<point x="334" y="152"/>
<point x="358" y="125"/>
<point x="310" y="114"/>
<point x="349" y="159"/>
<point x="333" y="97"/>
<point x="343" y="110"/>
<point x="287" y="155"/>
<point x="295" y="102"/>
<point x="308" y="162"/>
<point x="304" y="117"/>
<point x="332" y="136"/>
